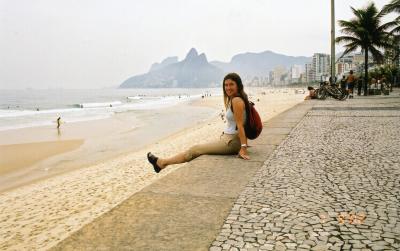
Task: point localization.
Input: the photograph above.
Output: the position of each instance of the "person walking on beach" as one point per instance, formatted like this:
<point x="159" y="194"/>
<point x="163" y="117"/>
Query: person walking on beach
<point x="233" y="139"/>
<point x="350" y="80"/>
<point x="58" y="122"/>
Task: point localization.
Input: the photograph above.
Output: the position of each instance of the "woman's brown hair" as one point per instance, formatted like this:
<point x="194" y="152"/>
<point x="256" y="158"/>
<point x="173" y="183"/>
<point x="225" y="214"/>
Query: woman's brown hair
<point x="235" y="78"/>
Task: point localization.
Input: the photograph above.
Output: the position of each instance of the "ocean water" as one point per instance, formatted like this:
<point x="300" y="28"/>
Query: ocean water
<point x="31" y="108"/>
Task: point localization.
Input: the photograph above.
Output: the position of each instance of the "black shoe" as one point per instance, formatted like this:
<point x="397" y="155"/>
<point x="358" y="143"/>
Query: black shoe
<point x="153" y="160"/>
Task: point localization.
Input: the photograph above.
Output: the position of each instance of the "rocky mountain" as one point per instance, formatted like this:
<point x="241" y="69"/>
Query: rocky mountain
<point x="259" y="64"/>
<point x="165" y="62"/>
<point x="194" y="71"/>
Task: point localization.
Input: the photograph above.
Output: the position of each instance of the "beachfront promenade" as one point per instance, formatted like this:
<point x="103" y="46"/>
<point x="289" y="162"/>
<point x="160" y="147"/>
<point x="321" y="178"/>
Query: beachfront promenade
<point x="324" y="175"/>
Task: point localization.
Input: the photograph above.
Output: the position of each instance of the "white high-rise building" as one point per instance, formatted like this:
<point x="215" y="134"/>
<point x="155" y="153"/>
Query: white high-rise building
<point x="295" y="73"/>
<point x="321" y="64"/>
<point x="308" y="73"/>
<point x="278" y="75"/>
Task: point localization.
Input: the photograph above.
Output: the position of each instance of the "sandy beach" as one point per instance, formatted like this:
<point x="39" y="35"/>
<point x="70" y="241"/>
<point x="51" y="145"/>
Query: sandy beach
<point x="39" y="214"/>
<point x="10" y="155"/>
<point x="101" y="140"/>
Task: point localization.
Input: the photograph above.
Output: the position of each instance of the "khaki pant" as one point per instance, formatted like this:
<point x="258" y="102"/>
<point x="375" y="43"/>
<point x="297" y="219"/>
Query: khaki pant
<point x="228" y="144"/>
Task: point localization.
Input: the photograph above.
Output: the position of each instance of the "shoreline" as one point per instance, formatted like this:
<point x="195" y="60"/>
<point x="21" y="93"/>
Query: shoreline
<point x="61" y="162"/>
<point x="86" y="155"/>
<point x="62" y="204"/>
<point x="120" y="139"/>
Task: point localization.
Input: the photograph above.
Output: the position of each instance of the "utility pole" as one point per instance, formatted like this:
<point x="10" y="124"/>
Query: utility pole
<point x="333" y="73"/>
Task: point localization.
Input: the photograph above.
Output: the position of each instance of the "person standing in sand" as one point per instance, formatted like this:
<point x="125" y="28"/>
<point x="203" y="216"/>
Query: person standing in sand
<point x="232" y="140"/>
<point x="58" y="122"/>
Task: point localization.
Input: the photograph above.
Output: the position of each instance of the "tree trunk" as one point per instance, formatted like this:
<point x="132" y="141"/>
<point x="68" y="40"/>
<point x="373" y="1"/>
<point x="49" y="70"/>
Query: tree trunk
<point x="366" y="73"/>
<point x="392" y="77"/>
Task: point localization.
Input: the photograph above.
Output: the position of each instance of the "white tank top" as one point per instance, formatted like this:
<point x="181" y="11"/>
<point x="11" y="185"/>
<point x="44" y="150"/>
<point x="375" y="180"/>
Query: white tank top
<point x="231" y="127"/>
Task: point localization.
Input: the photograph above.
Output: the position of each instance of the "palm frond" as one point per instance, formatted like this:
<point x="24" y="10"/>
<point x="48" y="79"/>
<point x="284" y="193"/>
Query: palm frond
<point x="393" y="6"/>
<point x="348" y="50"/>
<point x="388" y="25"/>
<point x="385" y="41"/>
<point x="356" y="12"/>
<point x="395" y="31"/>
<point x="376" y="54"/>
<point x="348" y="24"/>
<point x="349" y="39"/>
<point x="371" y="10"/>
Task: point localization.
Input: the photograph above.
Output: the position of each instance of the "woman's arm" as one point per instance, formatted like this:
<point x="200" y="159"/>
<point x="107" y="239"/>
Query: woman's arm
<point x="239" y="108"/>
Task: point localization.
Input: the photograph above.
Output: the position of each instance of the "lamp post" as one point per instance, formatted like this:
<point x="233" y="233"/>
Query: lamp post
<point x="333" y="73"/>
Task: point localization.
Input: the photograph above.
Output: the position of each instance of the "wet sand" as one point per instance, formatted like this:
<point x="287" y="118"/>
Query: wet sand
<point x="17" y="156"/>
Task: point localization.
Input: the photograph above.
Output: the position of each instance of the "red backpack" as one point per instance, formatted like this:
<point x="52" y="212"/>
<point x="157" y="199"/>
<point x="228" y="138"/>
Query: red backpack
<point x="253" y="125"/>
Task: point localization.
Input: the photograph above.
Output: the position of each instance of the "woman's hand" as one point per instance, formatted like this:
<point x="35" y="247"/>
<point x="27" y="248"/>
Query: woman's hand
<point x="243" y="154"/>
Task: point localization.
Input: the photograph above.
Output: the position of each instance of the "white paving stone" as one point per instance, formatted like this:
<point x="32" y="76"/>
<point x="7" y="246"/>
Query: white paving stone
<point x="333" y="183"/>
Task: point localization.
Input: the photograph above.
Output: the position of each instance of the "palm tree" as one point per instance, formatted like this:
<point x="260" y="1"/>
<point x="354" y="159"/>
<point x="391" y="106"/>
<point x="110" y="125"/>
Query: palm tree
<point x="365" y="31"/>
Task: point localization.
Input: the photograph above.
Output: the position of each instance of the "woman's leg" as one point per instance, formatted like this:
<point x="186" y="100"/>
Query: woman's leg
<point x="177" y="159"/>
<point x="225" y="146"/>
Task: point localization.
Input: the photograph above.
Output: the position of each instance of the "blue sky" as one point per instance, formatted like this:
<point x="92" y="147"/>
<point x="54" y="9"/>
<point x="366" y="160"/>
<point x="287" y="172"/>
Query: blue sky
<point x="97" y="43"/>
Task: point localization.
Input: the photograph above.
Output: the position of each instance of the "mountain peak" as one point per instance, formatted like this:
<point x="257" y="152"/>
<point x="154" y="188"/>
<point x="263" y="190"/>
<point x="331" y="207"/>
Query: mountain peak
<point x="167" y="61"/>
<point x="191" y="54"/>
<point x="203" y="57"/>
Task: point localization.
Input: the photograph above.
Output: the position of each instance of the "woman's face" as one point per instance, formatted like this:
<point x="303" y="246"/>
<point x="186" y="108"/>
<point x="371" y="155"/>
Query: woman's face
<point x="230" y="87"/>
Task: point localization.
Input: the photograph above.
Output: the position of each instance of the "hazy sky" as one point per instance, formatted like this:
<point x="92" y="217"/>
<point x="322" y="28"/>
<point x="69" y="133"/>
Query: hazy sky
<point x="98" y="43"/>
